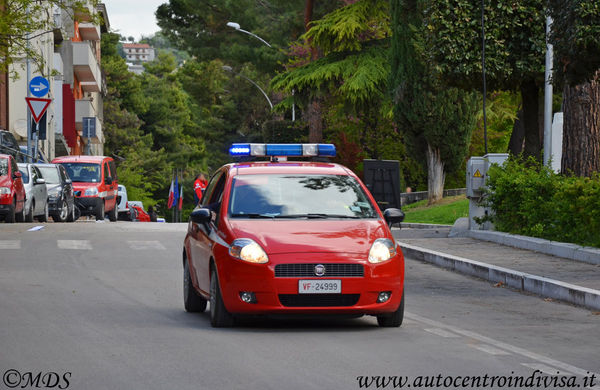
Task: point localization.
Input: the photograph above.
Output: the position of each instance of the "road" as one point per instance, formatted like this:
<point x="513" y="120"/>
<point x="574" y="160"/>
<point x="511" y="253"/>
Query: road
<point x="100" y="305"/>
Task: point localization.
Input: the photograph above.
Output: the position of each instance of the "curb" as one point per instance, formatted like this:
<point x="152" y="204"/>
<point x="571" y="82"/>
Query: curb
<point x="539" y="285"/>
<point x="411" y="225"/>
<point x="554" y="248"/>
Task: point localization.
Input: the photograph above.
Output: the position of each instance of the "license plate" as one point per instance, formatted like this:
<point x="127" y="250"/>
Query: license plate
<point x="320" y="286"/>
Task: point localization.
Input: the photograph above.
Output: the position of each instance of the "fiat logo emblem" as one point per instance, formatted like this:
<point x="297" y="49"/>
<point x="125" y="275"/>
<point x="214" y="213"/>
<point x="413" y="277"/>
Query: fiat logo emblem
<point x="319" y="270"/>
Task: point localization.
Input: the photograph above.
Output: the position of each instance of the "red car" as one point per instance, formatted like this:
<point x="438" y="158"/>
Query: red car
<point x="12" y="191"/>
<point x="138" y="214"/>
<point x="291" y="237"/>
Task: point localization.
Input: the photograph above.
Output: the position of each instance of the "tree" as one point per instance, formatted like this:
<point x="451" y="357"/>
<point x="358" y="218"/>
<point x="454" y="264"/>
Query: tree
<point x="438" y="120"/>
<point x="23" y="22"/>
<point x="514" y="46"/>
<point x="575" y="31"/>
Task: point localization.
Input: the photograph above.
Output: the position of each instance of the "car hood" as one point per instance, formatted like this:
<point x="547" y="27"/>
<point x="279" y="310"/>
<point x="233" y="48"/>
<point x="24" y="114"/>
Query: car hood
<point x="52" y="187"/>
<point x="311" y="236"/>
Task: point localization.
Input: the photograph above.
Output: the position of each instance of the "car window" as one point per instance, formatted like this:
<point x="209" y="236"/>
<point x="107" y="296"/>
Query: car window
<point x="63" y="173"/>
<point x="3" y="166"/>
<point x="299" y="196"/>
<point x="24" y="174"/>
<point x="210" y="188"/>
<point x="13" y="164"/>
<point x="35" y="174"/>
<point x="50" y="174"/>
<point x="106" y="171"/>
<point x="83" y="172"/>
<point x="113" y="170"/>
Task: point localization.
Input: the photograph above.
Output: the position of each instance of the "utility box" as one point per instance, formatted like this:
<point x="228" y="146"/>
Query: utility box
<point x="477" y="169"/>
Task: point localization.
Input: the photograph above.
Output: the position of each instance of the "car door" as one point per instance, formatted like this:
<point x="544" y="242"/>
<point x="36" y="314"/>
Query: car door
<point x="111" y="193"/>
<point x="67" y="186"/>
<point x="36" y="190"/>
<point x="203" y="236"/>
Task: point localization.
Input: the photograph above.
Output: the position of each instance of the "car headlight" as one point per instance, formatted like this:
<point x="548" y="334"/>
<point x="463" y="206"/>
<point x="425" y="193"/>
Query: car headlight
<point x="93" y="191"/>
<point x="248" y="250"/>
<point x="382" y="250"/>
<point x="4" y="190"/>
<point x="54" y="194"/>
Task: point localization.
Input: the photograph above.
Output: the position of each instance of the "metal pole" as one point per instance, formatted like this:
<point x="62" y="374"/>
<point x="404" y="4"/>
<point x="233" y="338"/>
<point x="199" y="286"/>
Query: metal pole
<point x="483" y="75"/>
<point x="35" y="145"/>
<point x="28" y="95"/>
<point x="548" y="96"/>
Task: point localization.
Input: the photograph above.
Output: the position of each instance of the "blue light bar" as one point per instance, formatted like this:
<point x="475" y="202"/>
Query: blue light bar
<point x="282" y="150"/>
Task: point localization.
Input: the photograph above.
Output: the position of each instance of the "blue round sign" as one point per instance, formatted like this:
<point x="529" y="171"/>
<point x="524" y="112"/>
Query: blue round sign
<point x="39" y="86"/>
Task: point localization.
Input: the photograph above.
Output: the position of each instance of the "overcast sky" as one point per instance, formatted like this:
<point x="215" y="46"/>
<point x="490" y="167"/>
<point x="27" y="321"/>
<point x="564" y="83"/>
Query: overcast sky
<point x="133" y="17"/>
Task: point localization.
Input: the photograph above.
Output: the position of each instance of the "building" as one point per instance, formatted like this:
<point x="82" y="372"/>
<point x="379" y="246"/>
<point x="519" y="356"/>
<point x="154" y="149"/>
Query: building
<point x="138" y="52"/>
<point x="71" y="64"/>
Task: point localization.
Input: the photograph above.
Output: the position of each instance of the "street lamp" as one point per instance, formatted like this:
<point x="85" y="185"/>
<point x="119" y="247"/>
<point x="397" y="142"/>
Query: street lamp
<point x="238" y="28"/>
<point x="230" y="69"/>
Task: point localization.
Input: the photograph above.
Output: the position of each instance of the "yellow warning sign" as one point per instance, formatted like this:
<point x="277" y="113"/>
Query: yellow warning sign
<point x="477" y="174"/>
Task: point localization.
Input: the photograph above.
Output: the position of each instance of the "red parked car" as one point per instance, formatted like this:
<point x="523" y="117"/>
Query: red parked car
<point x="12" y="191"/>
<point x="291" y="237"/>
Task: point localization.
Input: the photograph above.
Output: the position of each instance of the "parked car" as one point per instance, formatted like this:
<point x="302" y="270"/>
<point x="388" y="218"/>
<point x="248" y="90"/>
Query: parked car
<point x="12" y="191"/>
<point x="61" y="200"/>
<point x="95" y="184"/>
<point x="138" y="214"/>
<point x="9" y="145"/>
<point x="123" y="205"/>
<point x="36" y="193"/>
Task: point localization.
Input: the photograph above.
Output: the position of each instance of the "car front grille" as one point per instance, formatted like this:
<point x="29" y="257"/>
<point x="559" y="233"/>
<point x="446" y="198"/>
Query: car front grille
<point x="308" y="270"/>
<point x="318" y="300"/>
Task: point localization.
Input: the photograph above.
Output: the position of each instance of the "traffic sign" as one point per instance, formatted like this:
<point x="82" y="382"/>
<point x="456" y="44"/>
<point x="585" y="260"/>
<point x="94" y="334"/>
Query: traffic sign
<point x="89" y="126"/>
<point x="39" y="86"/>
<point x="477" y="174"/>
<point x="38" y="107"/>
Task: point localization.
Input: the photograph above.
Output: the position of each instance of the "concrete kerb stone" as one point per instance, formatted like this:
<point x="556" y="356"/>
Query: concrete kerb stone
<point x="560" y="249"/>
<point x="539" y="285"/>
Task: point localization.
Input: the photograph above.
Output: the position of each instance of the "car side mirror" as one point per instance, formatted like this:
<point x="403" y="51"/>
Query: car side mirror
<point x="69" y="181"/>
<point x="201" y="216"/>
<point x="393" y="216"/>
<point x="109" y="180"/>
<point x="17" y="175"/>
<point x="39" y="180"/>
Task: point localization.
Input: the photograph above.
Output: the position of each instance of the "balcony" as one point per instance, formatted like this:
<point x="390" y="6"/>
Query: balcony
<point x="86" y="67"/>
<point x="89" y="32"/>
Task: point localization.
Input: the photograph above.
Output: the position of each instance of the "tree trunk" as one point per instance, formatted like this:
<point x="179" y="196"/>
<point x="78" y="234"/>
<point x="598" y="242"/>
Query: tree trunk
<point x="530" y="97"/>
<point x="515" y="145"/>
<point x="581" y="128"/>
<point x="315" y="121"/>
<point x="436" y="176"/>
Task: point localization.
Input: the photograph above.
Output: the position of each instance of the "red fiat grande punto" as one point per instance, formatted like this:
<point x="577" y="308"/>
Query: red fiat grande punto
<point x="291" y="237"/>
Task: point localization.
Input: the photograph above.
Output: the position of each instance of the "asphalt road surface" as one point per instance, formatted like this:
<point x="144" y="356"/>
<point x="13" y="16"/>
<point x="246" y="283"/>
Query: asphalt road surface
<point x="99" y="306"/>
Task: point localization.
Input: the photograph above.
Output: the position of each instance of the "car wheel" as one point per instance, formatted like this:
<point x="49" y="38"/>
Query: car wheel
<point x="113" y="214"/>
<point x="63" y="212"/>
<point x="71" y="217"/>
<point x="20" y="216"/>
<point x="394" y="319"/>
<point x="191" y="300"/>
<point x="44" y="217"/>
<point x="10" y="216"/>
<point x="219" y="316"/>
<point x="29" y="215"/>
<point x="100" y="211"/>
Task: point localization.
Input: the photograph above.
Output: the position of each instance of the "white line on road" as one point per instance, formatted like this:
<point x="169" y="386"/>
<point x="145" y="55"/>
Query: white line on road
<point x="489" y="349"/>
<point x="10" y="244"/>
<point x="140" y="245"/>
<point x="74" y="244"/>
<point x="499" y="344"/>
<point x="441" y="332"/>
<point x="545" y="369"/>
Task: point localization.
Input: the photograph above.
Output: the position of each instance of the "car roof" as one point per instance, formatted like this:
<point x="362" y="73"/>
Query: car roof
<point x="287" y="167"/>
<point x="80" y="158"/>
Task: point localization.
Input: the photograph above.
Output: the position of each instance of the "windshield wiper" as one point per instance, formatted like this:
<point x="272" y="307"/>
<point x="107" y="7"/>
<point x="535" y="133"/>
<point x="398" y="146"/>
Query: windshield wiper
<point x="316" y="216"/>
<point x="253" y="215"/>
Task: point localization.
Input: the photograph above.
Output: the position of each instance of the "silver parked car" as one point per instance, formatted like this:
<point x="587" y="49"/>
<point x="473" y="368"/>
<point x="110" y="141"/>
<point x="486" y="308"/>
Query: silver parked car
<point x="36" y="194"/>
<point x="61" y="201"/>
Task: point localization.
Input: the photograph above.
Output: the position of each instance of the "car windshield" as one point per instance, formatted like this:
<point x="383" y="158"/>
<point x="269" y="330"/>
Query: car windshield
<point x="298" y="196"/>
<point x="24" y="174"/>
<point x="3" y="167"/>
<point x="83" y="172"/>
<point x="50" y="174"/>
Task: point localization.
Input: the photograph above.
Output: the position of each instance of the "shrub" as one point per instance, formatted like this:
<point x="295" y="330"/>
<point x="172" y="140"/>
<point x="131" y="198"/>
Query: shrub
<point x="528" y="198"/>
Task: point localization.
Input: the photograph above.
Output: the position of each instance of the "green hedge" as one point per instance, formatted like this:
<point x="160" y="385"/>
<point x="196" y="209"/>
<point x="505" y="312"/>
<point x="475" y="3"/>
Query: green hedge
<point x="530" y="199"/>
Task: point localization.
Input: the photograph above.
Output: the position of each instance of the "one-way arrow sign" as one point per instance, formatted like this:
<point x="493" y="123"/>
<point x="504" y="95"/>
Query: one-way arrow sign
<point x="39" y="86"/>
<point x="38" y="107"/>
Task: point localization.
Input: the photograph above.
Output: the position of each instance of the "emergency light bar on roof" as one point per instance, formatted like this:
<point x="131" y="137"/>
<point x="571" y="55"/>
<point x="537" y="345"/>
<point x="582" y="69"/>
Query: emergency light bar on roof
<point x="282" y="150"/>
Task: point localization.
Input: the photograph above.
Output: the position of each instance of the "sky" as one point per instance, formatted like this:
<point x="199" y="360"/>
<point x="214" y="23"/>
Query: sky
<point x="133" y="17"/>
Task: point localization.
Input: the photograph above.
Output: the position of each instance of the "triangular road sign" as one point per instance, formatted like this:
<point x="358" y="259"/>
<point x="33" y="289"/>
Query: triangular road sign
<point x="38" y="107"/>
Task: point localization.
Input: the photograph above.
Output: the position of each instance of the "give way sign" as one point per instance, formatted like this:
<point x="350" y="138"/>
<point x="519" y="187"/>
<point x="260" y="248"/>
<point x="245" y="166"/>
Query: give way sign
<point x="38" y="107"/>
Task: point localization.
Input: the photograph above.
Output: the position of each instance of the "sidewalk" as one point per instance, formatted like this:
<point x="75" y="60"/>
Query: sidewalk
<point x="549" y="276"/>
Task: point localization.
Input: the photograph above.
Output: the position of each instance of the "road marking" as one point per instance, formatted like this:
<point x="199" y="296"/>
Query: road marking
<point x="507" y="347"/>
<point x="74" y="244"/>
<point x="545" y="369"/>
<point x="489" y="349"/>
<point x="441" y="332"/>
<point x="10" y="244"/>
<point x="141" y="245"/>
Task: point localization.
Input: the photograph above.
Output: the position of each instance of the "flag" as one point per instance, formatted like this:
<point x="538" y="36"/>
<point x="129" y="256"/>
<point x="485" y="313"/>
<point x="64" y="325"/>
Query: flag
<point x="171" y="195"/>
<point x="180" y="198"/>
<point x="175" y="193"/>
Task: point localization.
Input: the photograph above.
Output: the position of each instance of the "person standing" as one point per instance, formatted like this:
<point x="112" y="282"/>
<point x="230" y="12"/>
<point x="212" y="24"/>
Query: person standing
<point x="199" y="186"/>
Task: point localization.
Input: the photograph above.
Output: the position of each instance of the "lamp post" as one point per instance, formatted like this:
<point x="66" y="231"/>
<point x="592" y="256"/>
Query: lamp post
<point x="230" y="69"/>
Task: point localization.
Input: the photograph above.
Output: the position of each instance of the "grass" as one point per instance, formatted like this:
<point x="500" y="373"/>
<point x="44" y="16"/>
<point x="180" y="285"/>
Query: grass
<point x="445" y="212"/>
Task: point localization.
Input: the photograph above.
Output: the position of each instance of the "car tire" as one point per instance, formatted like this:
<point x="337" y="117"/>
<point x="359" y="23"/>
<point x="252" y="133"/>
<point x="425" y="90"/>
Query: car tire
<point x="192" y="302"/>
<point x="71" y="217"/>
<point x="44" y="217"/>
<point x="100" y="211"/>
<point x="113" y="214"/>
<point x="394" y="319"/>
<point x="20" y="216"/>
<point x="29" y="215"/>
<point x="219" y="316"/>
<point x="10" y="216"/>
<point x="63" y="212"/>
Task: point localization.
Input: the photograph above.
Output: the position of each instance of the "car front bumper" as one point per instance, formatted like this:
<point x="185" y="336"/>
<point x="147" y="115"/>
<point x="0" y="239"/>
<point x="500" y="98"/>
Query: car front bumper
<point x="88" y="205"/>
<point x="280" y="295"/>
